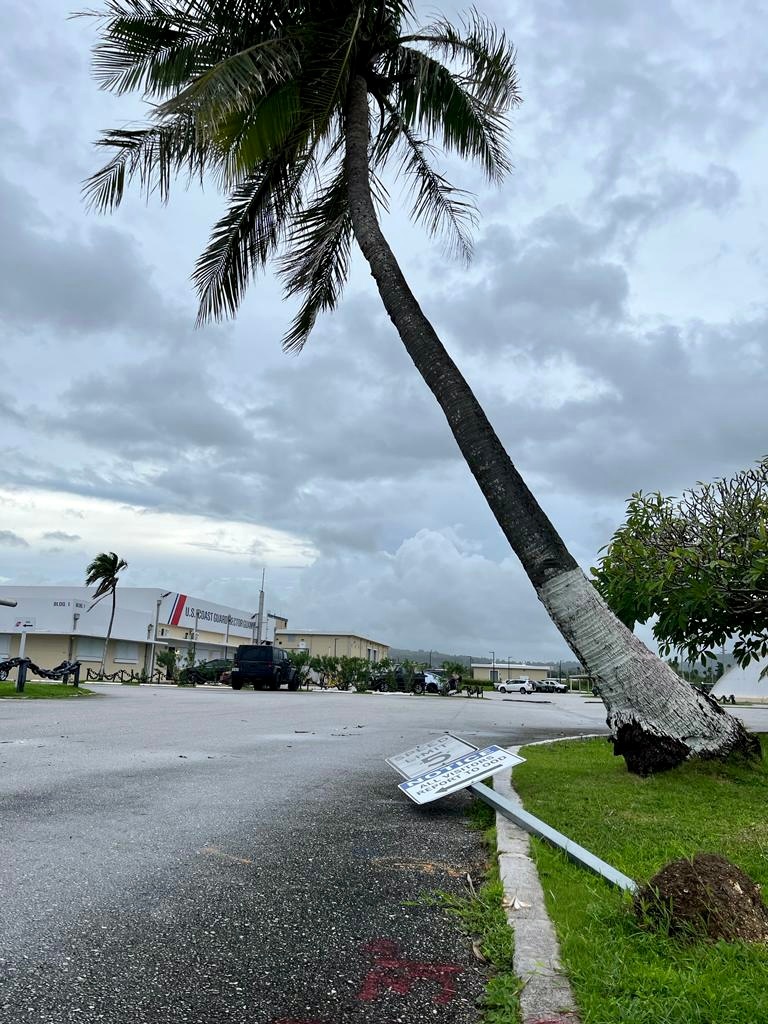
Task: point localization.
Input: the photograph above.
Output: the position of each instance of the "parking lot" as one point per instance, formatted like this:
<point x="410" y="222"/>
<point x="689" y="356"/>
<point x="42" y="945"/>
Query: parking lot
<point x="190" y="855"/>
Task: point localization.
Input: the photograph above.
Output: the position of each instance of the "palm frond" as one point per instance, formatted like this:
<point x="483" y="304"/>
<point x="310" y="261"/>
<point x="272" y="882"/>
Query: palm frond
<point x="247" y="138"/>
<point x="433" y="100"/>
<point x="485" y="52"/>
<point x="442" y="208"/>
<point x="149" y="45"/>
<point x="316" y="261"/>
<point x="153" y="156"/>
<point x="248" y="234"/>
<point x="236" y="83"/>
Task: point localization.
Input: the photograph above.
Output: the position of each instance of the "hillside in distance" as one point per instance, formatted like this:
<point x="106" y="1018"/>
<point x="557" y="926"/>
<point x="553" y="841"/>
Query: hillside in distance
<point x="436" y="658"/>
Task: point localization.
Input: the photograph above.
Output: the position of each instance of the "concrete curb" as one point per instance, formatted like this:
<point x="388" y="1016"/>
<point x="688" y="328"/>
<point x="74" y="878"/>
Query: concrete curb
<point x="546" y="996"/>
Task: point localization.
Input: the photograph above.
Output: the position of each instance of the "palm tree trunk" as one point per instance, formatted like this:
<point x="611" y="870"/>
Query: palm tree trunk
<point x="656" y="719"/>
<point x="108" y="636"/>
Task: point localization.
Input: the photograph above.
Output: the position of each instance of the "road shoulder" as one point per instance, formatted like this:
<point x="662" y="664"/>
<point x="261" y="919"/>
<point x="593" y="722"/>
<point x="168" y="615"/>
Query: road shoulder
<point x="546" y="996"/>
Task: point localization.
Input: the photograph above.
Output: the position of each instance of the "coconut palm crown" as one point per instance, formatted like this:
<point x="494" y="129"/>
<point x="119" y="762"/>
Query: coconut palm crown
<point x="253" y="95"/>
<point x="102" y="573"/>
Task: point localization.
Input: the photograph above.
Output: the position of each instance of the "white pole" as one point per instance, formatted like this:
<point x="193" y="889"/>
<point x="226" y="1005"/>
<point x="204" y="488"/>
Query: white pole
<point x="153" y="648"/>
<point x="260" y="617"/>
<point x="22" y="648"/>
<point x="153" y="652"/>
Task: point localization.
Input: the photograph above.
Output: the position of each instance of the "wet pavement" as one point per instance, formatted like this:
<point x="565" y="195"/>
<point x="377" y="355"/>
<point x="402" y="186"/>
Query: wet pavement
<point x="202" y="855"/>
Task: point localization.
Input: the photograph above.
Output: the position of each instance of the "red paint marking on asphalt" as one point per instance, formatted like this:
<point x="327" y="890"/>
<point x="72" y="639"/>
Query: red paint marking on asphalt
<point x="392" y="973"/>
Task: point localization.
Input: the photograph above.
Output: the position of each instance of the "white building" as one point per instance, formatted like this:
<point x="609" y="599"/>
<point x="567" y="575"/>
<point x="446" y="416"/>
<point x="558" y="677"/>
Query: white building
<point x="743" y="683"/>
<point x="55" y="624"/>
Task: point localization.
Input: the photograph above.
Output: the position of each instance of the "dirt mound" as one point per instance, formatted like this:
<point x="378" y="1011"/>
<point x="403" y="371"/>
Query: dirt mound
<point x="707" y="897"/>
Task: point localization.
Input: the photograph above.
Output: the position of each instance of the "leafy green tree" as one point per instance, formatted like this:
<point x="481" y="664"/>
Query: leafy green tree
<point x="353" y="672"/>
<point x="102" y="573"/>
<point x="302" y="661"/>
<point x="167" y="660"/>
<point x="328" y="667"/>
<point x="296" y="111"/>
<point x="698" y="564"/>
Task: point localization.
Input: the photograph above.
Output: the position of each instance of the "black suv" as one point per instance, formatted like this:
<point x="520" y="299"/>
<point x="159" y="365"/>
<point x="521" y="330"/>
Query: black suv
<point x="263" y="665"/>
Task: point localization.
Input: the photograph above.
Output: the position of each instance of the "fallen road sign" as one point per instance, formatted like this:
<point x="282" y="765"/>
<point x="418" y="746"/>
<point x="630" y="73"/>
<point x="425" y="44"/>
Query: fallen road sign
<point x="458" y="774"/>
<point x="429" y="755"/>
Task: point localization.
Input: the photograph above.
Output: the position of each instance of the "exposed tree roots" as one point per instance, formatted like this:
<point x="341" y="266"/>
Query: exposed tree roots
<point x="646" y="753"/>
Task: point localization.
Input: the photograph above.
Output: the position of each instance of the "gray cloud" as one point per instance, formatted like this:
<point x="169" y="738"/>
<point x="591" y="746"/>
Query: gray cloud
<point x="70" y="538"/>
<point x="652" y="400"/>
<point x="86" y="281"/>
<point x="422" y="589"/>
<point x="12" y="540"/>
<point x="159" y="407"/>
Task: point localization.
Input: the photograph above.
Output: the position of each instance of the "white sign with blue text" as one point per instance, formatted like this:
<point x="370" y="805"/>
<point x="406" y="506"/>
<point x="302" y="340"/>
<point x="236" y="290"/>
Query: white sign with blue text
<point x="458" y="774"/>
<point x="432" y="754"/>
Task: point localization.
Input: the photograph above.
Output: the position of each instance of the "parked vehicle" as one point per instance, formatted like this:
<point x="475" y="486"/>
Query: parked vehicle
<point x="392" y="682"/>
<point x="524" y="686"/>
<point x="263" y="665"/>
<point x="428" y="682"/>
<point x="558" y="686"/>
<point x="206" y="671"/>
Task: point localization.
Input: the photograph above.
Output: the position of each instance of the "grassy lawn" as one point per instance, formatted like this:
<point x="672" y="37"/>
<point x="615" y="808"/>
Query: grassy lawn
<point x="619" y="972"/>
<point x="44" y="691"/>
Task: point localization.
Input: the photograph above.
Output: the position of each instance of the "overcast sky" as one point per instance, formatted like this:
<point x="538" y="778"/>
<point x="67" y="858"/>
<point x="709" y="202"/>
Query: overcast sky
<point x="613" y="324"/>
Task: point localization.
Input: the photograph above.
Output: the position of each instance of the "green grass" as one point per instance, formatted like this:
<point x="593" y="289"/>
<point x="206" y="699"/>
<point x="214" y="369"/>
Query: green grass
<point x="619" y="972"/>
<point x="44" y="691"/>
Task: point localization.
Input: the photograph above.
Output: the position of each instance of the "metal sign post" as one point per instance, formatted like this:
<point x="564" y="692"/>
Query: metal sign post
<point x="447" y="764"/>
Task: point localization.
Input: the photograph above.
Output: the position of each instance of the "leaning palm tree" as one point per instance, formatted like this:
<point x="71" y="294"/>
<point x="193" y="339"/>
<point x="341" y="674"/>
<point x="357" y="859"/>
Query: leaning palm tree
<point x="102" y="573"/>
<point x="296" y="111"/>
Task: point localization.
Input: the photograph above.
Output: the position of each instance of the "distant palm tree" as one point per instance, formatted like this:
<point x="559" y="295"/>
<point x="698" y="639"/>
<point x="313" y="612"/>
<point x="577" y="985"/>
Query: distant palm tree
<point x="455" y="668"/>
<point x="296" y="110"/>
<point x="103" y="572"/>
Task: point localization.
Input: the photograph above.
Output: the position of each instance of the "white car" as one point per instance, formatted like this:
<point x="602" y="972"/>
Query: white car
<point x="514" y="686"/>
<point x="550" y="686"/>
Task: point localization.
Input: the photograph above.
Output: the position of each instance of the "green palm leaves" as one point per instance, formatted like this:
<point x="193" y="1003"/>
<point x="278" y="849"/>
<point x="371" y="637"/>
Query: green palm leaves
<point x="252" y="96"/>
<point x="103" y="571"/>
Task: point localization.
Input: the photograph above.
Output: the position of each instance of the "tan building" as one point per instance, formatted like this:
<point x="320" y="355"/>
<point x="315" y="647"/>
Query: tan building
<point x="499" y="670"/>
<point x="336" y="645"/>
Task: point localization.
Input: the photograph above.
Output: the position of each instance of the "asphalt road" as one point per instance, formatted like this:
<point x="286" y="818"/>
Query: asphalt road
<point x="206" y="855"/>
